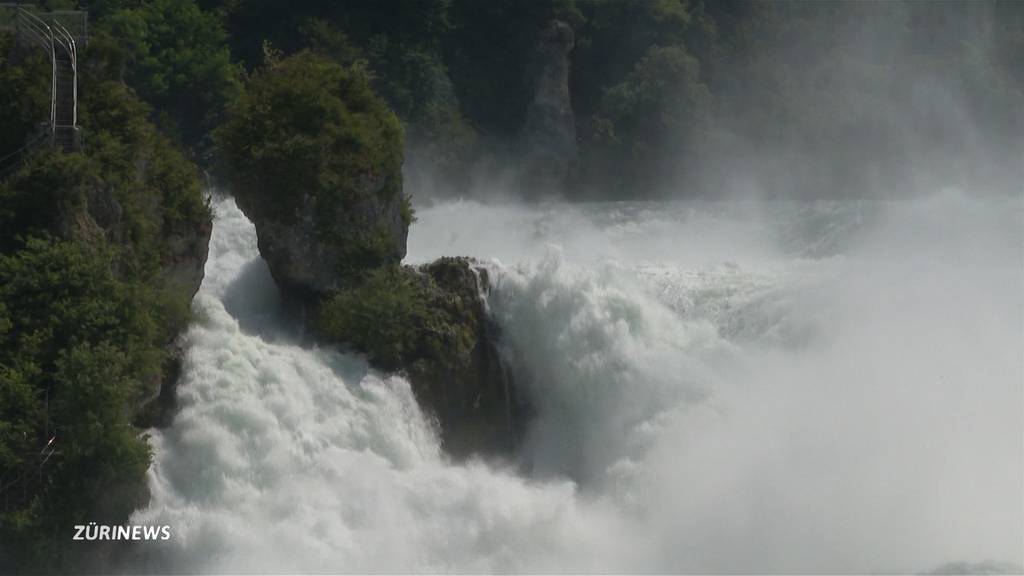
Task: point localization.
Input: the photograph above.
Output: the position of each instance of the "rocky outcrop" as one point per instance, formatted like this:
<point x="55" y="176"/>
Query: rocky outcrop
<point x="184" y="247"/>
<point x="170" y="258"/>
<point x="431" y="323"/>
<point x="186" y="250"/>
<point x="472" y="395"/>
<point x="309" y="254"/>
<point x="315" y="160"/>
<point x="549" y="134"/>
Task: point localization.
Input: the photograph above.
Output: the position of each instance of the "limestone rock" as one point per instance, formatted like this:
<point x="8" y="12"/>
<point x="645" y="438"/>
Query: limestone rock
<point x="474" y="397"/>
<point x="431" y="323"/>
<point x="549" y="134"/>
<point x="309" y="257"/>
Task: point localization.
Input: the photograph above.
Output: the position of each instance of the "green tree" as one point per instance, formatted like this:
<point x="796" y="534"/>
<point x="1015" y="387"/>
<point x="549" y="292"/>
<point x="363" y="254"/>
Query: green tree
<point x="179" y="61"/>
<point x="87" y="309"/>
<point x="25" y="92"/>
<point x="308" y="125"/>
<point x="652" y="121"/>
<point x="76" y="348"/>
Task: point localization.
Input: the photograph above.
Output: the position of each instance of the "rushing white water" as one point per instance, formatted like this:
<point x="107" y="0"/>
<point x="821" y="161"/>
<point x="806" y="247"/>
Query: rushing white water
<point x="829" y="387"/>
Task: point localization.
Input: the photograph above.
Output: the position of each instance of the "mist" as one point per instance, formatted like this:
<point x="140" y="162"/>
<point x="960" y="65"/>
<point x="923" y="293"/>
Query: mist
<point x="785" y="100"/>
<point x="758" y="406"/>
<point x="787" y="340"/>
<point x="883" y="99"/>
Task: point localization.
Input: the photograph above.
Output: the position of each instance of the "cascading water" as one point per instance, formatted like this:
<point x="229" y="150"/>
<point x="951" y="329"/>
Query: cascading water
<point x="719" y="387"/>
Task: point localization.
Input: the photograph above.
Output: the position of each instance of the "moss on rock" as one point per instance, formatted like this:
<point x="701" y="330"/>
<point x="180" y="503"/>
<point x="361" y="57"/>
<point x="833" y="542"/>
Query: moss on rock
<point x="430" y="322"/>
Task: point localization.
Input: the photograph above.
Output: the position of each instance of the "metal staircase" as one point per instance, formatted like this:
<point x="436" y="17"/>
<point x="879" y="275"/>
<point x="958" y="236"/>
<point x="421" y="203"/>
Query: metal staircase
<point x="47" y="30"/>
<point x="65" y="93"/>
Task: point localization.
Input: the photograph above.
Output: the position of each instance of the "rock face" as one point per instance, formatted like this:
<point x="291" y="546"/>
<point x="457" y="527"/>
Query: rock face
<point x="185" y="250"/>
<point x="188" y="248"/>
<point x="185" y="247"/>
<point x="431" y="323"/>
<point x="315" y="160"/>
<point x="549" y="135"/>
<point x="308" y="257"/>
<point x="472" y="396"/>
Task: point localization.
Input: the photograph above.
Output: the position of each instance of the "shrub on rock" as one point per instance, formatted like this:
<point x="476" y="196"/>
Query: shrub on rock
<point x="314" y="158"/>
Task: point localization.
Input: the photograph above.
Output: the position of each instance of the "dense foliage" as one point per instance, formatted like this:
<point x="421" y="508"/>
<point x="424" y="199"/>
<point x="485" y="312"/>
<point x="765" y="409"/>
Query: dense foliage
<point x="26" y="97"/>
<point x="400" y="318"/>
<point x="307" y="125"/>
<point x="307" y="129"/>
<point x="76" y="346"/>
<point x="177" y="60"/>
<point x="745" y="84"/>
<point x="86" y="311"/>
<point x="658" y="107"/>
<point x="748" y="84"/>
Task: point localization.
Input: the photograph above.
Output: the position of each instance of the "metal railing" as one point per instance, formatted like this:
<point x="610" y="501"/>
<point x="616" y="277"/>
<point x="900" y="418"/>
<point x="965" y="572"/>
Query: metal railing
<point x="66" y="41"/>
<point x="76" y="21"/>
<point x="40" y="31"/>
<point x="49" y="32"/>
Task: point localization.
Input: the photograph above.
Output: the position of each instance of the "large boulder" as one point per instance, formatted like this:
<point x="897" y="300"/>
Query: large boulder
<point x="431" y="322"/>
<point x="474" y="398"/>
<point x="306" y="257"/>
<point x="314" y="159"/>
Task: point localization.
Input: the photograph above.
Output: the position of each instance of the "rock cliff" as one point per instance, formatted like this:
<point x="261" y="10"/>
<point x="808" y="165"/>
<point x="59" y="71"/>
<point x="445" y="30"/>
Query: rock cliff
<point x="549" y="134"/>
<point x="475" y="400"/>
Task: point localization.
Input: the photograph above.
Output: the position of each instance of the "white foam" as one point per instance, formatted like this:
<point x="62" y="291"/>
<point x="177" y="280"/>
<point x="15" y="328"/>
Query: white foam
<point x="718" y="389"/>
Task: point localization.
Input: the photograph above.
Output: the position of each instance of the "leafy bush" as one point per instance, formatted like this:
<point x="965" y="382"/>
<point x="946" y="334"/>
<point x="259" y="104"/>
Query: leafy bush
<point x="306" y="125"/>
<point x="178" y="59"/>
<point x="77" y="349"/>
<point x="651" y="122"/>
<point x="399" y="317"/>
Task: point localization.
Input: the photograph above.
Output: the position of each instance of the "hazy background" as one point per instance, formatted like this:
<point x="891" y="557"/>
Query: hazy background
<point x="769" y="99"/>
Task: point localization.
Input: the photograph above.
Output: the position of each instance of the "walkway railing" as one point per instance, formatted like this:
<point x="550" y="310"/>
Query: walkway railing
<point x="49" y="31"/>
